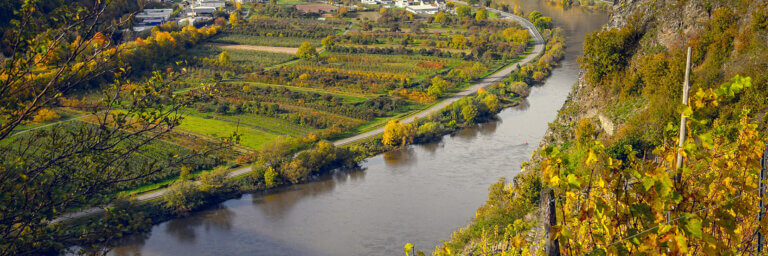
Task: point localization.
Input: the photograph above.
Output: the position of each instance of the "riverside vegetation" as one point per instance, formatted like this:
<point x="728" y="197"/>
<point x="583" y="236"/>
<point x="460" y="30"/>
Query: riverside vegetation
<point x="615" y="181"/>
<point x="97" y="117"/>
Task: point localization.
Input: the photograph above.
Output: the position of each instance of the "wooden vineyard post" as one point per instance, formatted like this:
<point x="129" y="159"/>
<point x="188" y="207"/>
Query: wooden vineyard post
<point x="681" y="140"/>
<point x="550" y="219"/>
<point x="761" y="204"/>
<point x="682" y="117"/>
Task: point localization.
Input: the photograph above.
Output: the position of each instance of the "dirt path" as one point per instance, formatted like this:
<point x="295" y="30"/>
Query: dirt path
<point x="275" y="49"/>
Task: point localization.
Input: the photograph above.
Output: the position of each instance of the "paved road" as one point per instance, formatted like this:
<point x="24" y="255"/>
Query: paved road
<point x="488" y="81"/>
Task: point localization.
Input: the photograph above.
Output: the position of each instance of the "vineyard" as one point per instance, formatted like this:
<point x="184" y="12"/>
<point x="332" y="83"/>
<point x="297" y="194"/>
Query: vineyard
<point x="410" y="66"/>
<point x="158" y="152"/>
<point x="362" y="78"/>
<point x="206" y="56"/>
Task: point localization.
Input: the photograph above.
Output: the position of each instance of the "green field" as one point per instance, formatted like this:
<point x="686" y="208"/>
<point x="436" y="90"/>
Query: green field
<point x="274" y="125"/>
<point x="253" y="138"/>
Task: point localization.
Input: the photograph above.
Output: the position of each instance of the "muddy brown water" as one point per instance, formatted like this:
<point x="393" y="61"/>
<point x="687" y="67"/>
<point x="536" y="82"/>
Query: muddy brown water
<point x="420" y="194"/>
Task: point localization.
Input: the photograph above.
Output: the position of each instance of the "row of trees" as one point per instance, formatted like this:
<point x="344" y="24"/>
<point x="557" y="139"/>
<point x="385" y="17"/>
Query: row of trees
<point x="436" y="52"/>
<point x="253" y="96"/>
<point x="276" y="166"/>
<point x="329" y="78"/>
<point x="466" y="111"/>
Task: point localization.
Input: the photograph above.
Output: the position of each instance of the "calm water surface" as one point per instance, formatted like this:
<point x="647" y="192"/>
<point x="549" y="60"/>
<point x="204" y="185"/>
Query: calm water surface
<point x="420" y="194"/>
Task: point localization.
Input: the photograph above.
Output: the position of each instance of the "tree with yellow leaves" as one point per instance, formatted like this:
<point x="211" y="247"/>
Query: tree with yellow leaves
<point x="235" y="19"/>
<point x="397" y="134"/>
<point x="223" y="58"/>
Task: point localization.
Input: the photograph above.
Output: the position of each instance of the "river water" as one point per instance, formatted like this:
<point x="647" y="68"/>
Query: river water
<point x="420" y="194"/>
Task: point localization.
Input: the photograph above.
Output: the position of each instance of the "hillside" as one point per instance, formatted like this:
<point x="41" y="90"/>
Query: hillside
<point x="610" y="155"/>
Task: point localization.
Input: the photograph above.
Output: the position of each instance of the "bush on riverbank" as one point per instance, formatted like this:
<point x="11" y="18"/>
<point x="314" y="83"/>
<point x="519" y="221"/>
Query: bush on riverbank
<point x="184" y="195"/>
<point x="284" y="169"/>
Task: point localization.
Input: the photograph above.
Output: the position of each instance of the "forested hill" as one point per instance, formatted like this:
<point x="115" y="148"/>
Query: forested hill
<point x="610" y="157"/>
<point x="633" y="70"/>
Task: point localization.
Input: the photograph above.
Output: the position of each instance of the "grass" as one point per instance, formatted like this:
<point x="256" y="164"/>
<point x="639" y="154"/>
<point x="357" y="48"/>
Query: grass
<point x="251" y="137"/>
<point x="273" y="124"/>
<point x="229" y="38"/>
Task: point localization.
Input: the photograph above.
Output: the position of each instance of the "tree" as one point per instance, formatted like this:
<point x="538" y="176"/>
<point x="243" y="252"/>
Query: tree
<point x="367" y="26"/>
<point x="394" y="27"/>
<point x="607" y="52"/>
<point x="234" y="18"/>
<point x="458" y="41"/>
<point x="181" y="197"/>
<point x="223" y="58"/>
<point x="306" y="51"/>
<point x="214" y="180"/>
<point x="328" y="41"/>
<point x="520" y="89"/>
<point x="342" y="12"/>
<point x="438" y="86"/>
<point x="397" y="134"/>
<point x="491" y="102"/>
<point x="55" y="49"/>
<point x="463" y="11"/>
<point x="440" y="17"/>
<point x="45" y="115"/>
<point x="270" y="177"/>
<point x="540" y="21"/>
<point x="481" y="15"/>
<point x="469" y="113"/>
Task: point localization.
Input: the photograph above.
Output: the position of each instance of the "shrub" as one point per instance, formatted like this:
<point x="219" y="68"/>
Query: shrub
<point x="45" y="115"/>
<point x="270" y="177"/>
<point x="397" y="134"/>
<point x="214" y="180"/>
<point x="469" y="113"/>
<point x="520" y="89"/>
<point x="306" y="51"/>
<point x="182" y="197"/>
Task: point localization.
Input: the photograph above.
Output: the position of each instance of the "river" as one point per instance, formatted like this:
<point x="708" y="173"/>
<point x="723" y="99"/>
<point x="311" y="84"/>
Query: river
<point x="420" y="194"/>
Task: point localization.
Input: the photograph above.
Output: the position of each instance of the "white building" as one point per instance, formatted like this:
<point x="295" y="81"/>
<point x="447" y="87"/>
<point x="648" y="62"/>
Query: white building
<point x="369" y="1"/>
<point x="210" y="3"/>
<point x="422" y="9"/>
<point x="151" y="17"/>
<point x="203" y="10"/>
<point x="403" y="3"/>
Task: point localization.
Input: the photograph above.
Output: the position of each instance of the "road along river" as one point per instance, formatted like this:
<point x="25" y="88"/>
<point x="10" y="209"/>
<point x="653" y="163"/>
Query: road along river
<point x="420" y="194"/>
